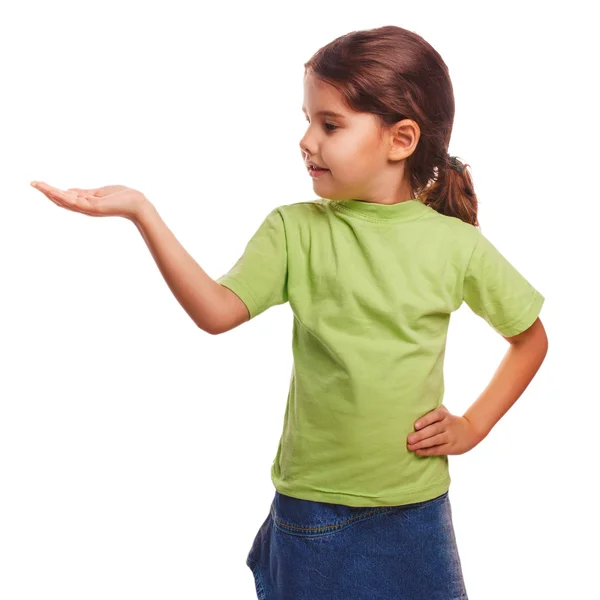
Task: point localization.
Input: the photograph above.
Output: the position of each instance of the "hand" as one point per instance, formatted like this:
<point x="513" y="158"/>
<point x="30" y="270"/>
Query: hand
<point x="440" y="432"/>
<point x="111" y="200"/>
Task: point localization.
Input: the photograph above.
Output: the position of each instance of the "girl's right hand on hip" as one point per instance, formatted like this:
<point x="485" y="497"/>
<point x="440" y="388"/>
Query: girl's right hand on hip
<point x="111" y="200"/>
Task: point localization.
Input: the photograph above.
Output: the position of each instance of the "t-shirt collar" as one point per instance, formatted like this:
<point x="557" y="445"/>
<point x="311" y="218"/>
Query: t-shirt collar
<point x="372" y="211"/>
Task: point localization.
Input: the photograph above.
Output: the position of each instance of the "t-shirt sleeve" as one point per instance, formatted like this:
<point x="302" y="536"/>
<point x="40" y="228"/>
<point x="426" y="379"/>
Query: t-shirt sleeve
<point x="497" y="292"/>
<point x="259" y="277"/>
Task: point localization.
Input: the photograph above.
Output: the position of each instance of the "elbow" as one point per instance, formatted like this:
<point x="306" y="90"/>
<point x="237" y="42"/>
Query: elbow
<point x="209" y="327"/>
<point x="210" y="330"/>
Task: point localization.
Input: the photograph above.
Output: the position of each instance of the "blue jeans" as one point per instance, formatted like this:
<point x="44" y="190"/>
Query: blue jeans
<point x="308" y="550"/>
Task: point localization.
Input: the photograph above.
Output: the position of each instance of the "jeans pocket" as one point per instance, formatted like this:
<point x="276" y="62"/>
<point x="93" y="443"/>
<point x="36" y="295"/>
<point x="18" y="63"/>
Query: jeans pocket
<point x="306" y="518"/>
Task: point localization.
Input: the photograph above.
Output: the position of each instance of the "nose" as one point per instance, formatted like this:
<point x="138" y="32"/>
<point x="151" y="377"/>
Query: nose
<point x="306" y="151"/>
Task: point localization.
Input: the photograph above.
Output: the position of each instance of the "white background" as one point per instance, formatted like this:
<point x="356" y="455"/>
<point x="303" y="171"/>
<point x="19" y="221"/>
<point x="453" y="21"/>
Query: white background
<point x="135" y="449"/>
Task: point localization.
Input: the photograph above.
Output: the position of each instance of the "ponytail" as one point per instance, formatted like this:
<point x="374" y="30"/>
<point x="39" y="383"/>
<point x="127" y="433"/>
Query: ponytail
<point x="451" y="192"/>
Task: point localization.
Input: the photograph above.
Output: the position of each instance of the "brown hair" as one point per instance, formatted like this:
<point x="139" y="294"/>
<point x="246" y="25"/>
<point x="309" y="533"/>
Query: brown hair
<point x="395" y="74"/>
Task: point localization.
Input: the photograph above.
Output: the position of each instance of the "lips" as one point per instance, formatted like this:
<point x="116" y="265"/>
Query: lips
<point x="310" y="164"/>
<point x="316" y="173"/>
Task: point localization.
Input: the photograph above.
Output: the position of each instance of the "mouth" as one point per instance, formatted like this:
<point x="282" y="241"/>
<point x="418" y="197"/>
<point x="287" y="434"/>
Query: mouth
<point x="316" y="172"/>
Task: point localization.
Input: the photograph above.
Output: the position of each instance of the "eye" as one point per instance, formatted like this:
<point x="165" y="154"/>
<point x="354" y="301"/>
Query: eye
<point x="326" y="124"/>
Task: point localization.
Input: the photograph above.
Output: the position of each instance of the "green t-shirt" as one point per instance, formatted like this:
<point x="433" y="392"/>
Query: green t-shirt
<point x="371" y="287"/>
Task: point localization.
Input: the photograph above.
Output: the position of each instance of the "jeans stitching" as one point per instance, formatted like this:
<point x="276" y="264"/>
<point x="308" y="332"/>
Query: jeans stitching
<point x="375" y="511"/>
<point x="331" y="527"/>
<point x="258" y="579"/>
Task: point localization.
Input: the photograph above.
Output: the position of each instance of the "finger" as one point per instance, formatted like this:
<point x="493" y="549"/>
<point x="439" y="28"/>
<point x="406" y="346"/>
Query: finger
<point x="425" y="433"/>
<point x="63" y="199"/>
<point x="45" y="187"/>
<point x="434" y="440"/>
<point x="56" y="192"/>
<point x="431" y="417"/>
<point x="81" y="191"/>
<point x="434" y="450"/>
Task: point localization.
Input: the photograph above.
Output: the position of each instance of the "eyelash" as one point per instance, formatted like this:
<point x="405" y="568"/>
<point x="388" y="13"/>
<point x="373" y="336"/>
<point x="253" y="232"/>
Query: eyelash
<point x="330" y="124"/>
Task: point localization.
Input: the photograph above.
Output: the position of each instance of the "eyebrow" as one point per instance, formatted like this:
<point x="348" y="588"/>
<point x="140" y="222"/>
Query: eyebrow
<point x="327" y="113"/>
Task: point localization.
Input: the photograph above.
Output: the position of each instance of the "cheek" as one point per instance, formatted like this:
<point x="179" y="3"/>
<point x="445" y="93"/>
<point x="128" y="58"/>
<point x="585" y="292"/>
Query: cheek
<point x="355" y="162"/>
<point x="359" y="150"/>
<point x="345" y="154"/>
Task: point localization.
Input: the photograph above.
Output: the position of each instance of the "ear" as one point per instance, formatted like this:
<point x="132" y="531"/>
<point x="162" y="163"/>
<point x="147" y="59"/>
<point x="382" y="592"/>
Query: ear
<point x="403" y="139"/>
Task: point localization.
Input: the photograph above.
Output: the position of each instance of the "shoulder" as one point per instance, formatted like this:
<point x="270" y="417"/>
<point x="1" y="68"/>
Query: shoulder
<point x="457" y="237"/>
<point x="303" y="208"/>
<point x="307" y="212"/>
<point x="454" y="225"/>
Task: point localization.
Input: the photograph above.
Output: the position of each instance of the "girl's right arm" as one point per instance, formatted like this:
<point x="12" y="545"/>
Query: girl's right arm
<point x="213" y="307"/>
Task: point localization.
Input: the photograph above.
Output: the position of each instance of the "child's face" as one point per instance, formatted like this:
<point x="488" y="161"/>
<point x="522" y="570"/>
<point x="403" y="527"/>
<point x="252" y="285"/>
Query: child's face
<point x="354" y="149"/>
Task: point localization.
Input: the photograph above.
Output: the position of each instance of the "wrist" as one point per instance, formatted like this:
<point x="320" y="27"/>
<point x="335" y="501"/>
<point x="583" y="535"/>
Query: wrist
<point x="142" y="209"/>
<point x="480" y="430"/>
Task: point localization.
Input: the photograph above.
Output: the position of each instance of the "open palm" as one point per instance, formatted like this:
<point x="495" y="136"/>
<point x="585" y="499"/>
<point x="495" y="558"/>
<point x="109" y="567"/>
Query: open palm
<point x="110" y="200"/>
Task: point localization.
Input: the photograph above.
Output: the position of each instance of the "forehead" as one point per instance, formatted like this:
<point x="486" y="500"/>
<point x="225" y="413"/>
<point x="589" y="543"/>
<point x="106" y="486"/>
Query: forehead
<point x="323" y="98"/>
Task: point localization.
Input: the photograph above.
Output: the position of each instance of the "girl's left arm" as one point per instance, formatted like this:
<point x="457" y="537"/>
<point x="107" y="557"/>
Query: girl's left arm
<point x="520" y="364"/>
<point x="496" y="291"/>
<point x="440" y="432"/>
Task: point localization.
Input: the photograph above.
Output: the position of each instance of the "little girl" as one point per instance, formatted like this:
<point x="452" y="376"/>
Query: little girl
<point x="372" y="270"/>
